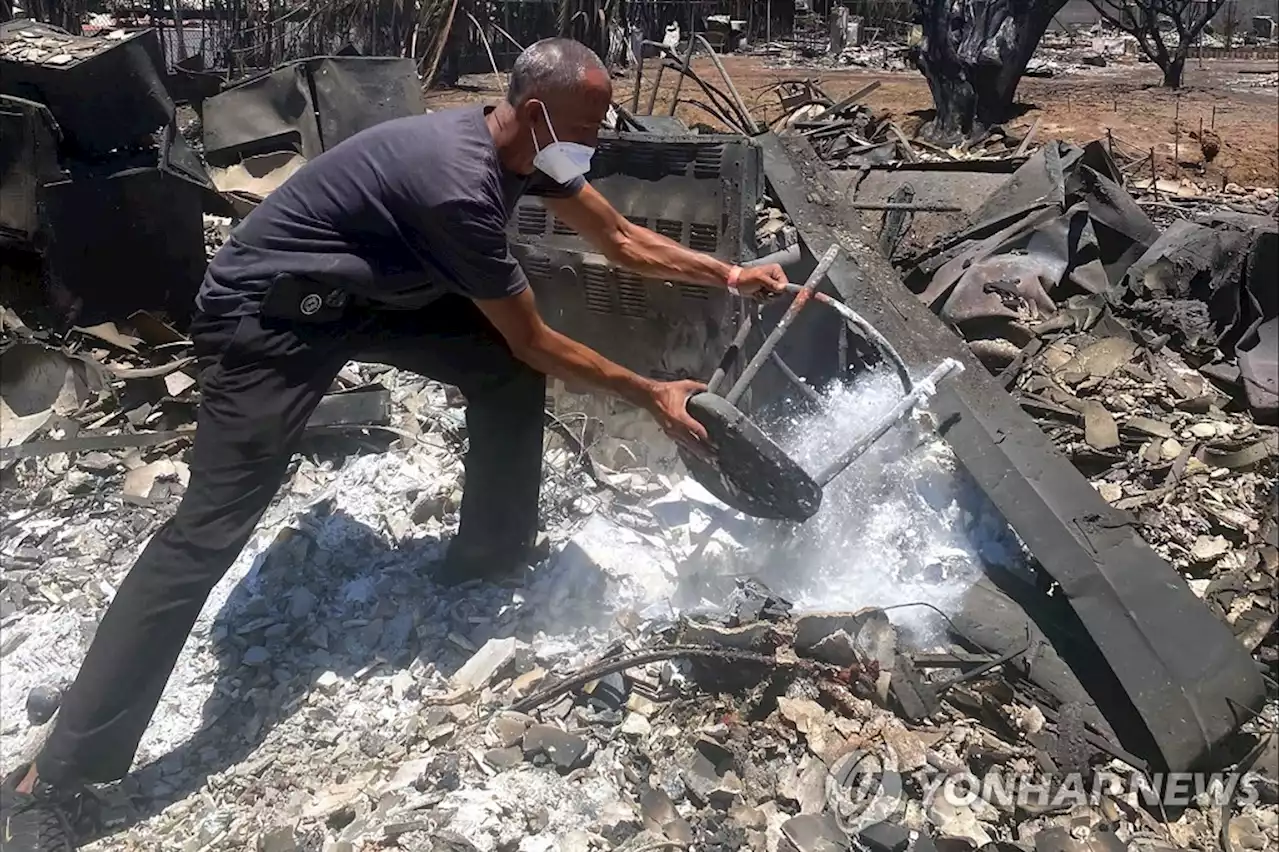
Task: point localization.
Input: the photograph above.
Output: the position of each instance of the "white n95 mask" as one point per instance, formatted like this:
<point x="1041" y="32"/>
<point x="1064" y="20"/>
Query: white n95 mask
<point x="560" y="161"/>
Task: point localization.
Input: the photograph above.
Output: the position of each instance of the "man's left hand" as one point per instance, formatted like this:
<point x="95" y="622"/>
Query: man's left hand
<point x="760" y="282"/>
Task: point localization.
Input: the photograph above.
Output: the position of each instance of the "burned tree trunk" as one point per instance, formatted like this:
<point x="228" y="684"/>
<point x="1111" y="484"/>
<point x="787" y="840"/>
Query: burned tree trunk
<point x="973" y="53"/>
<point x="1152" y="21"/>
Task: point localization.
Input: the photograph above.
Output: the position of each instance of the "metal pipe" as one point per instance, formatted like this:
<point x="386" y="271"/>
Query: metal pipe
<point x="801" y="299"/>
<point x="794" y="377"/>
<point x="901" y="205"/>
<point x="685" y="67"/>
<point x="657" y="84"/>
<point x="635" y="95"/>
<point x="739" y="340"/>
<point x="783" y="257"/>
<point x="921" y="391"/>
<point x="860" y="325"/>
<point x="728" y="82"/>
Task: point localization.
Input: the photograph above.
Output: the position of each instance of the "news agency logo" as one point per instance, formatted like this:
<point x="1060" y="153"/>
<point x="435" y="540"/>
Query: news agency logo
<point x="1051" y="794"/>
<point x="865" y="786"/>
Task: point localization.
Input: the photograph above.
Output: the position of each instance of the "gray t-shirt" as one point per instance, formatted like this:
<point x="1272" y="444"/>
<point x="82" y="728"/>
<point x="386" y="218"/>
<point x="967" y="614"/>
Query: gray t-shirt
<point x="400" y="213"/>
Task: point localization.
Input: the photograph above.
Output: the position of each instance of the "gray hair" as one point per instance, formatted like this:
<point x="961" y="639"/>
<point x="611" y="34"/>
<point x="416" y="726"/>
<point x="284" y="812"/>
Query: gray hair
<point x="550" y="65"/>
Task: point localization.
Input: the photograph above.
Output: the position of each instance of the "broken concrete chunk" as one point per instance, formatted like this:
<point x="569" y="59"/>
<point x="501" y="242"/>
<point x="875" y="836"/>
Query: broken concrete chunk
<point x="838" y="649"/>
<point x="504" y="758"/>
<point x="1147" y="426"/>
<point x="281" y="839"/>
<point x="1103" y="358"/>
<point x="906" y="747"/>
<point x="635" y="725"/>
<point x="1206" y="549"/>
<point x="484" y="664"/>
<point x="1100" y="431"/>
<point x="508" y="728"/>
<point x="759" y="637"/>
<point x="876" y="638"/>
<point x="804" y="713"/>
<point x="140" y="484"/>
<point x="301" y="602"/>
<point x="659" y="815"/>
<point x="813" y="833"/>
<point x="813" y="627"/>
<point x="256" y="656"/>
<point x="958" y="821"/>
<point x="563" y="749"/>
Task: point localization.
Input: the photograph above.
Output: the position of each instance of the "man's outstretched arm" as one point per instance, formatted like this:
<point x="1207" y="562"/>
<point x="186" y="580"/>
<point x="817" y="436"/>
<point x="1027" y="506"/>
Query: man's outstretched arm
<point x="651" y="254"/>
<point x="535" y="343"/>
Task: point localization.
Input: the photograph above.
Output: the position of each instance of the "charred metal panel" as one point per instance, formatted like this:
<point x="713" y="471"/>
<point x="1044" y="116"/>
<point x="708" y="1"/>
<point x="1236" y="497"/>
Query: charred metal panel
<point x="109" y="94"/>
<point x="271" y="112"/>
<point x="28" y="159"/>
<point x="123" y="242"/>
<point x="124" y="234"/>
<point x="352" y="93"/>
<point x="1168" y="676"/>
<point x="700" y="191"/>
<point x="308" y="106"/>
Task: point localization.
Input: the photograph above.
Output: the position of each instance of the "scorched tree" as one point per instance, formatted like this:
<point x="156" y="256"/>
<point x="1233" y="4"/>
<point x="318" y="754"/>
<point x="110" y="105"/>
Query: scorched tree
<point x="973" y="53"/>
<point x="1153" y="21"/>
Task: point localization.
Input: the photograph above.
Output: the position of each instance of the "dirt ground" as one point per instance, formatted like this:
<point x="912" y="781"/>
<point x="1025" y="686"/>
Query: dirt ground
<point x="1237" y="100"/>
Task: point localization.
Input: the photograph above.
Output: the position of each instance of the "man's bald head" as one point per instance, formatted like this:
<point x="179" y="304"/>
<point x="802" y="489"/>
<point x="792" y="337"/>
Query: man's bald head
<point x="552" y="68"/>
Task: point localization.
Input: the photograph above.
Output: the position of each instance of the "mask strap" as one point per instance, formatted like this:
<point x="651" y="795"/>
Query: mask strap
<point x="551" y="129"/>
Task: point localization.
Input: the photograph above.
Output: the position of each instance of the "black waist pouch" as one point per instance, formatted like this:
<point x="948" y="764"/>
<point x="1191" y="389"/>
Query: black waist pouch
<point x="301" y="300"/>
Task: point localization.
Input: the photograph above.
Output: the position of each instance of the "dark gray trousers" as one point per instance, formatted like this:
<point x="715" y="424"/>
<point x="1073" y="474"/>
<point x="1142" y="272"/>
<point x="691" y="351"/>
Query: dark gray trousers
<point x="261" y="382"/>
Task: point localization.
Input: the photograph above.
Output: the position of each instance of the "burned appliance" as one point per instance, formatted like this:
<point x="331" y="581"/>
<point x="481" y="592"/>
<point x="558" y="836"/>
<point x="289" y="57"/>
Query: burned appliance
<point x="700" y="190"/>
<point x="105" y="93"/>
<point x="98" y="185"/>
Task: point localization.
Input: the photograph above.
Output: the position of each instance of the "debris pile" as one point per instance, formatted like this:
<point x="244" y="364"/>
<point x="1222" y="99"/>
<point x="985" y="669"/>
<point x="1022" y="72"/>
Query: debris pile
<point x="39" y="46"/>
<point x="1147" y="356"/>
<point x="850" y="135"/>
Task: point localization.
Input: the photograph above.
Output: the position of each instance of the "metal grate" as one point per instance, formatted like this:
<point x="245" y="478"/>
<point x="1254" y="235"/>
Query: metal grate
<point x="670" y="228"/>
<point x="707" y="163"/>
<point x="703" y="237"/>
<point x="675" y="161"/>
<point x="537" y="268"/>
<point x="531" y="219"/>
<point x="694" y="293"/>
<point x="632" y="300"/>
<point x="596" y="289"/>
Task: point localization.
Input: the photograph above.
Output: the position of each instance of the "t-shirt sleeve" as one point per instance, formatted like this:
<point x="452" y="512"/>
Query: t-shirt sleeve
<point x="543" y="186"/>
<point x="469" y="251"/>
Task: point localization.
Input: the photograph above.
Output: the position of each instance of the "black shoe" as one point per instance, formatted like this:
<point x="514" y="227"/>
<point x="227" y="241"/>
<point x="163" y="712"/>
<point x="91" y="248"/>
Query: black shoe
<point x="40" y="821"/>
<point x="459" y="568"/>
<point x="463" y="564"/>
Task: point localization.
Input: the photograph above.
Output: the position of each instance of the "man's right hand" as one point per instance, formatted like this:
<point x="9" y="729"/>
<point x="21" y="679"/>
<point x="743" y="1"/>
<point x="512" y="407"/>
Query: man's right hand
<point x="516" y="318"/>
<point x="667" y="406"/>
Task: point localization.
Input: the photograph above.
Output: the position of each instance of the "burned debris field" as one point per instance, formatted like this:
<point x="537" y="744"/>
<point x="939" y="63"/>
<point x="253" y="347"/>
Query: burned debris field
<point x="1026" y="381"/>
